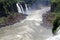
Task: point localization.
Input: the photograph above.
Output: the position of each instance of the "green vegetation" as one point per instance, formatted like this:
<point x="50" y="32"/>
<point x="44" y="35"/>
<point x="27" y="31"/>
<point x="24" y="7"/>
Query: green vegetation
<point x="55" y="0"/>
<point x="56" y="21"/>
<point x="56" y="24"/>
<point x="8" y="3"/>
<point x="3" y="19"/>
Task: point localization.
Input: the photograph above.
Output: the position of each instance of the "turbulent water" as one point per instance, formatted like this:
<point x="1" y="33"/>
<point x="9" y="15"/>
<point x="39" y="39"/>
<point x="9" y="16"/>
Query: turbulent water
<point x="32" y="28"/>
<point x="56" y="37"/>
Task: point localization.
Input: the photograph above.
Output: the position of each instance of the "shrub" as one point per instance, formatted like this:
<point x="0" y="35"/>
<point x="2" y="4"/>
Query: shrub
<point x="56" y="24"/>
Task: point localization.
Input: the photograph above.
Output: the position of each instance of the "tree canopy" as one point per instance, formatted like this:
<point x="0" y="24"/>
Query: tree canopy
<point x="55" y="0"/>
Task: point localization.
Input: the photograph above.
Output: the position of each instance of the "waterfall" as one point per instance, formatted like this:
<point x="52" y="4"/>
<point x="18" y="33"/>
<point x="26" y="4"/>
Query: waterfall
<point x="26" y="9"/>
<point x="21" y="8"/>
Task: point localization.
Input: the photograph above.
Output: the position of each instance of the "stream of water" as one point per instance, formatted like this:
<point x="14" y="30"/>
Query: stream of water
<point x="32" y="28"/>
<point x="22" y="8"/>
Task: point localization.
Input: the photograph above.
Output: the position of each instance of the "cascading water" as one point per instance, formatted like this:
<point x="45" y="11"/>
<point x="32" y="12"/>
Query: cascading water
<point x="26" y="9"/>
<point x="21" y="8"/>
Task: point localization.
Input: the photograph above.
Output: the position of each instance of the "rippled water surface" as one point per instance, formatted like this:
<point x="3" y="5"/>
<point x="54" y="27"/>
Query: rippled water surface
<point x="29" y="29"/>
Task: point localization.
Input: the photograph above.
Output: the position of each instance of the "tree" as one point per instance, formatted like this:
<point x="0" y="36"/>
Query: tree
<point x="56" y="24"/>
<point x="7" y="3"/>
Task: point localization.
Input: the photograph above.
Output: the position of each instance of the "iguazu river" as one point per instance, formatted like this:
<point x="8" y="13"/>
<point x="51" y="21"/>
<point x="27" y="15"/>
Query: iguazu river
<point x="31" y="28"/>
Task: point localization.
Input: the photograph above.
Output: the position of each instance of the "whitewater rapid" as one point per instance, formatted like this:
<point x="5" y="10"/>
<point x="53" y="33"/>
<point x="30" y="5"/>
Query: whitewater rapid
<point x="56" y="37"/>
<point x="29" y="29"/>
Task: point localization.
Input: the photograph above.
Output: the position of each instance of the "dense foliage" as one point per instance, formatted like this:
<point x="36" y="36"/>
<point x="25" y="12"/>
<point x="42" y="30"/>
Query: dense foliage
<point x="7" y="3"/>
<point x="56" y="24"/>
<point x="56" y="21"/>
